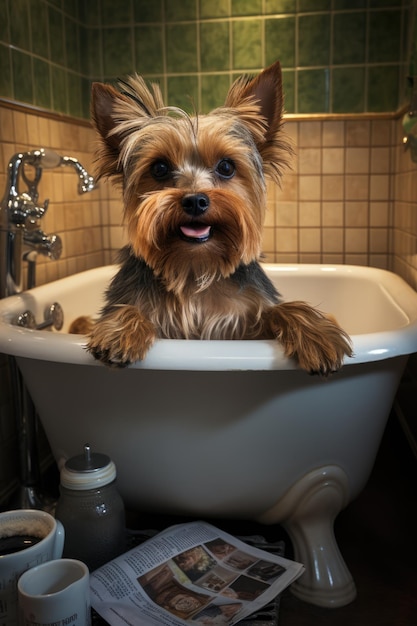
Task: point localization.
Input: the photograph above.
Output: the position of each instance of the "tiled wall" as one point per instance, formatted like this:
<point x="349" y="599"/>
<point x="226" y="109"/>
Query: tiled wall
<point x="81" y="222"/>
<point x="337" y="55"/>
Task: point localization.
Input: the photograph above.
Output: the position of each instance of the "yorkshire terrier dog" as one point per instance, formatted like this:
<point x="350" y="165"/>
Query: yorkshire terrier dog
<point x="194" y="196"/>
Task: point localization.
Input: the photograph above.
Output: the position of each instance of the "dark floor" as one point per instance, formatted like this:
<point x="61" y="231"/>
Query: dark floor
<point x="377" y="535"/>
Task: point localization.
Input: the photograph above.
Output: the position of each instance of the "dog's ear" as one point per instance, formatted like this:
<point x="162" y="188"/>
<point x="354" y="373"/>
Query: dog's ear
<point x="117" y="115"/>
<point x="104" y="99"/>
<point x="265" y="90"/>
<point x="258" y="102"/>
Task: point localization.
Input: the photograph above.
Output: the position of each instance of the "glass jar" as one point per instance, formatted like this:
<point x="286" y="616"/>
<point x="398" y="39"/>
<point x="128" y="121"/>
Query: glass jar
<point x="91" y="509"/>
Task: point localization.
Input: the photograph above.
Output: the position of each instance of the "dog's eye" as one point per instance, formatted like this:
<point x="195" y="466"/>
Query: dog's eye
<point x="160" y="170"/>
<point x="225" y="168"/>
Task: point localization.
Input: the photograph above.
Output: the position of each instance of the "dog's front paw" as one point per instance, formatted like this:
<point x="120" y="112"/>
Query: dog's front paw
<point x="121" y="337"/>
<point x="315" y="339"/>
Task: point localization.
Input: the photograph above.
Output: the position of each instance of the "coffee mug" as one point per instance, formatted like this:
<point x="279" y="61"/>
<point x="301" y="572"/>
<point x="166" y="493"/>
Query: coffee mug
<point x="55" y="593"/>
<point x="27" y="538"/>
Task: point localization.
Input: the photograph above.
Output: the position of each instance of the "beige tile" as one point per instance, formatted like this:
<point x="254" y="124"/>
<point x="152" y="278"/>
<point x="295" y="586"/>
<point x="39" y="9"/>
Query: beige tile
<point x="309" y="161"/>
<point x="309" y="188"/>
<point x="268" y="240"/>
<point x="288" y="189"/>
<point x="286" y="240"/>
<point x="309" y="134"/>
<point x="332" y="214"/>
<point x="286" y="214"/>
<point x="333" y="187"/>
<point x="379" y="213"/>
<point x="379" y="187"/>
<point x="310" y="240"/>
<point x="333" y="161"/>
<point x="310" y="214"/>
<point x="357" y="160"/>
<point x="357" y="187"/>
<point x="380" y="160"/>
<point x="378" y="240"/>
<point x="333" y="133"/>
<point x="356" y="240"/>
<point x="356" y="214"/>
<point x="332" y="240"/>
<point x="358" y="132"/>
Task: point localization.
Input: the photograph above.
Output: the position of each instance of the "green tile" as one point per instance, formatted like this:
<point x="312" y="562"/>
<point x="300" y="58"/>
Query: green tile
<point x="86" y="97"/>
<point x="313" y="91"/>
<point x="112" y="13"/>
<point x="280" y="41"/>
<point x="180" y="11"/>
<point x="146" y="11"/>
<point x="149" y="49"/>
<point x="348" y="90"/>
<point x="71" y="8"/>
<point x="349" y="38"/>
<point x="39" y="22"/>
<point x="214" y="46"/>
<point x="246" y="7"/>
<point x="340" y="5"/>
<point x="91" y="47"/>
<point x="22" y="76"/>
<point x="72" y="44"/>
<point x="4" y="21"/>
<point x="247" y="44"/>
<point x="384" y="36"/>
<point x="59" y="89"/>
<point x="308" y="6"/>
<point x="89" y="12"/>
<point x="210" y="9"/>
<point x="6" y="83"/>
<point x="183" y="92"/>
<point x="280" y="6"/>
<point x="382" y="4"/>
<point x="19" y="24"/>
<point x="117" y="52"/>
<point x="314" y="40"/>
<point x="214" y="89"/>
<point x="288" y="88"/>
<point x="41" y="84"/>
<point x="56" y="36"/>
<point x="75" y="103"/>
<point x="383" y="85"/>
<point x="181" y="48"/>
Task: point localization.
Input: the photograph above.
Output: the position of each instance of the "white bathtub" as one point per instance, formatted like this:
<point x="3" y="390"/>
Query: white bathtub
<point x="231" y="428"/>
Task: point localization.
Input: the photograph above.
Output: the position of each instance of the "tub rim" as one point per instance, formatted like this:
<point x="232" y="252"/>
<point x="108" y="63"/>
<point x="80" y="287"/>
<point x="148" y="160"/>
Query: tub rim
<point x="178" y="354"/>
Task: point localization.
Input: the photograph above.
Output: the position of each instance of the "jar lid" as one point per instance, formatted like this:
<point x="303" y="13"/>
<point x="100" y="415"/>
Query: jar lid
<point x="88" y="470"/>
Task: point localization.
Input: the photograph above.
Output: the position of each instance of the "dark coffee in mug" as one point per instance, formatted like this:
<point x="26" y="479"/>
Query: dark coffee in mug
<point x="17" y="543"/>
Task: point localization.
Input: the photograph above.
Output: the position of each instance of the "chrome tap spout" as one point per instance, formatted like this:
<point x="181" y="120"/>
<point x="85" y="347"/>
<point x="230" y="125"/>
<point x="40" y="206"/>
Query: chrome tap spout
<point x="86" y="182"/>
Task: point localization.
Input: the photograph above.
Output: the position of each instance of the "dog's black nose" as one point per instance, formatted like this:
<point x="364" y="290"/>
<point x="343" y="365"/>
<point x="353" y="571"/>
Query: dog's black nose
<point x="195" y="203"/>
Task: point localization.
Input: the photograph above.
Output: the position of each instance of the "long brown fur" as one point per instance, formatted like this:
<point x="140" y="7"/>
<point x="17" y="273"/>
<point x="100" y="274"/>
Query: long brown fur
<point x="194" y="201"/>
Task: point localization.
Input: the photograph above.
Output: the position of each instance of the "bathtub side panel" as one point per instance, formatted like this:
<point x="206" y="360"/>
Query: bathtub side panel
<point x="215" y="443"/>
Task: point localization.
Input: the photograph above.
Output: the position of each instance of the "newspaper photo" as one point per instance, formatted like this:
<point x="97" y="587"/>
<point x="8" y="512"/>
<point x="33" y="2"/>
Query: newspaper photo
<point x="190" y="573"/>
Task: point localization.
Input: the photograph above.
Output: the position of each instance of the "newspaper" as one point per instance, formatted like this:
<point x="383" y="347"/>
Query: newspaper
<point x="190" y="573"/>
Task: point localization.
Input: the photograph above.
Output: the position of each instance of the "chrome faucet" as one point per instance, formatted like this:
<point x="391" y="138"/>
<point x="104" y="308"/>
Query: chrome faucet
<point x="21" y="237"/>
<point x="21" y="240"/>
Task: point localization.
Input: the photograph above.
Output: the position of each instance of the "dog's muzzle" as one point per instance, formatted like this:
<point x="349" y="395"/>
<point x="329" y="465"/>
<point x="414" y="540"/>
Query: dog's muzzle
<point x="195" y="205"/>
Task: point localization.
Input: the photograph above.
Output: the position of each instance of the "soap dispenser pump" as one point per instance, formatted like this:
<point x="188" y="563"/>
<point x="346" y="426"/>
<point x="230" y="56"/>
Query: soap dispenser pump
<point x="91" y="509"/>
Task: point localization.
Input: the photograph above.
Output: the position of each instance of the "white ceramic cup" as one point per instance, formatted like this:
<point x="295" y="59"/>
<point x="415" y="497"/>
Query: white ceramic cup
<point x="20" y="523"/>
<point x="56" y="593"/>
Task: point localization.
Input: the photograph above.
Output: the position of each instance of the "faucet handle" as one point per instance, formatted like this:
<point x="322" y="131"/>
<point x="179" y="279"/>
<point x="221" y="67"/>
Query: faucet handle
<point x="25" y="212"/>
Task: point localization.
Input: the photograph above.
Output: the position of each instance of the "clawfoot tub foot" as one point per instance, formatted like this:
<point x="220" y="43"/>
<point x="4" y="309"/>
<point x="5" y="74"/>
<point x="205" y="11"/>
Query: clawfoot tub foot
<point x="307" y="512"/>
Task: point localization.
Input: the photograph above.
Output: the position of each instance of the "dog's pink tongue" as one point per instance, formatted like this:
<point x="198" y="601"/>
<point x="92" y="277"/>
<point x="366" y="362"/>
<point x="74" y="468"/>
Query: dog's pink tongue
<point x="196" y="232"/>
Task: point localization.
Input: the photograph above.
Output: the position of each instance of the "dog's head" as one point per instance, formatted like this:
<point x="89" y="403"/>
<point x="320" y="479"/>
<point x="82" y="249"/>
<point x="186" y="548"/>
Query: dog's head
<point x="194" y="186"/>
